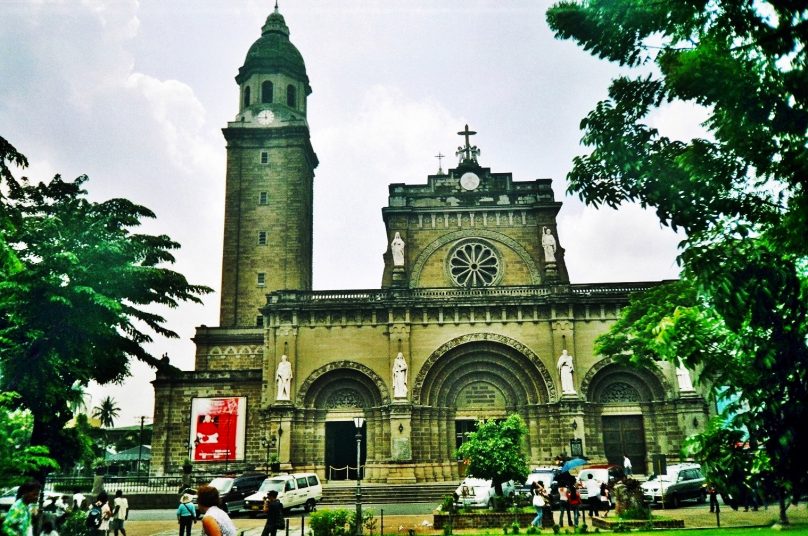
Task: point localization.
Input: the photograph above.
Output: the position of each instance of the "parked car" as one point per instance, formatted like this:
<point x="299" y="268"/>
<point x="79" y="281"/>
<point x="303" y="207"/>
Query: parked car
<point x="547" y="476"/>
<point x="296" y="489"/>
<point x="605" y="474"/>
<point x="233" y="490"/>
<point x="682" y="481"/>
<point x="479" y="493"/>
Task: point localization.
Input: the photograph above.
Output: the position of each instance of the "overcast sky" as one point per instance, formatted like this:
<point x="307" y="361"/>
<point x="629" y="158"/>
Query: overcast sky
<point x="135" y="94"/>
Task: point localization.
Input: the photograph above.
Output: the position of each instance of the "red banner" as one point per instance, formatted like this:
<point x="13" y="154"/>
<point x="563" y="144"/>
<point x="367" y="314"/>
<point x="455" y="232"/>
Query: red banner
<point x="217" y="428"/>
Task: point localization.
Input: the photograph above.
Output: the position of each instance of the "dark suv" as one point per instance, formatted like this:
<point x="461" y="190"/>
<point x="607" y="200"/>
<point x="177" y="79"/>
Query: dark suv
<point x="233" y="490"/>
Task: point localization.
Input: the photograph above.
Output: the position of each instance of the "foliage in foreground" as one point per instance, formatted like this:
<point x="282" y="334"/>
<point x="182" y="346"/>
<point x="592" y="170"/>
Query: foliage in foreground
<point x="738" y="194"/>
<point x="78" y="293"/>
<point x="17" y="456"/>
<point x="494" y="451"/>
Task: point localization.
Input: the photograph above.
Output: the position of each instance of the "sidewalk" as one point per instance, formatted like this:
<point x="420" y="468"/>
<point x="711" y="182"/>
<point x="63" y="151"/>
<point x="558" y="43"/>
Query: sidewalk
<point x="694" y="517"/>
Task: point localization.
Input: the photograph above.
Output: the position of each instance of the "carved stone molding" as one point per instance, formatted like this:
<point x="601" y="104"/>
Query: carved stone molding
<point x="478" y="337"/>
<point x="426" y="253"/>
<point x="303" y="390"/>
<point x="659" y="390"/>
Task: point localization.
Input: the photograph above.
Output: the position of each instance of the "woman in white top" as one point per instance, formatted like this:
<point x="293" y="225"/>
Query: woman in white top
<point x="215" y="522"/>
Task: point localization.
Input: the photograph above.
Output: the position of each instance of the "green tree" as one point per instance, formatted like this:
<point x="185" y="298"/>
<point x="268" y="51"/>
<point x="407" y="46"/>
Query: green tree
<point x="107" y="411"/>
<point x="17" y="456"/>
<point x="78" y="293"/>
<point x="494" y="451"/>
<point x="739" y="194"/>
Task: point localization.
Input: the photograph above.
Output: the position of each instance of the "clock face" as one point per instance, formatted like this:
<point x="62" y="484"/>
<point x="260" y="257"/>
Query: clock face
<point x="469" y="180"/>
<point x="265" y="117"/>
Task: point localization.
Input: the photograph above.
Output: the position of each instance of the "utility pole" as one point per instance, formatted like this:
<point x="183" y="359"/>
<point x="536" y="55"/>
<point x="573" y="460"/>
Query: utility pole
<point x="140" y="444"/>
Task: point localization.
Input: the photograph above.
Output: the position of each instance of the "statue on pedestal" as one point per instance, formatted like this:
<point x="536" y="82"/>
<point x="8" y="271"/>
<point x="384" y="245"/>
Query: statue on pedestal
<point x="399" y="377"/>
<point x="283" y="379"/>
<point x="548" y="242"/>
<point x="397" y="248"/>
<point x="565" y="370"/>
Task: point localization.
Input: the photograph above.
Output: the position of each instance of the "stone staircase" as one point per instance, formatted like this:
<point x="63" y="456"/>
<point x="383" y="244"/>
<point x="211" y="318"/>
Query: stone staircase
<point x="345" y="492"/>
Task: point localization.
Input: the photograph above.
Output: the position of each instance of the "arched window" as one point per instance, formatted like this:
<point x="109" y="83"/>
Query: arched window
<point x="246" y="96"/>
<point x="291" y="96"/>
<point x="266" y="92"/>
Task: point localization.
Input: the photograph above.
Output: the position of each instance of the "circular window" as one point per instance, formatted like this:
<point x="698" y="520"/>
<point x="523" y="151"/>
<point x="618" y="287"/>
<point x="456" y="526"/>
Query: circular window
<point x="474" y="264"/>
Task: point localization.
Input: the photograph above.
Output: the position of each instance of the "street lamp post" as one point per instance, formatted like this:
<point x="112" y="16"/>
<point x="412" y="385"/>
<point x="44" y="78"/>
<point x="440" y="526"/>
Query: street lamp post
<point x="358" y="422"/>
<point x="266" y="444"/>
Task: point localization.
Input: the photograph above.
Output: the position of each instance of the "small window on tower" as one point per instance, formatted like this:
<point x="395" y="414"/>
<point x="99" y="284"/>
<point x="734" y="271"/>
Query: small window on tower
<point x="262" y="279"/>
<point x="262" y="238"/>
<point x="263" y="198"/>
<point x="266" y="92"/>
<point x="259" y="321"/>
<point x="265" y="157"/>
<point x="246" y="96"/>
<point x="291" y="96"/>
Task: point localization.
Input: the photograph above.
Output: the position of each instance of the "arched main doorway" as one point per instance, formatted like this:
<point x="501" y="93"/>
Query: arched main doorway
<point x="475" y="377"/>
<point x="333" y="396"/>
<point x="623" y="397"/>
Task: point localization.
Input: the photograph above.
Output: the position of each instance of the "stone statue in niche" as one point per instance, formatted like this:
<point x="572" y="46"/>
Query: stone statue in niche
<point x="683" y="377"/>
<point x="565" y="370"/>
<point x="399" y="377"/>
<point x="548" y="242"/>
<point x="283" y="379"/>
<point x="397" y="247"/>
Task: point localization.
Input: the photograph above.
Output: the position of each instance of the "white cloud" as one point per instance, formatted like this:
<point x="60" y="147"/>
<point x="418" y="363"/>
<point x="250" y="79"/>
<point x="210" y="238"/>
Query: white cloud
<point x="605" y="245"/>
<point x="393" y="139"/>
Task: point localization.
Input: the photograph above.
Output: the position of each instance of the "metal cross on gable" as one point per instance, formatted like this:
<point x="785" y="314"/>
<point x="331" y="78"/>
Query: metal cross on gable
<point x="469" y="152"/>
<point x="440" y="156"/>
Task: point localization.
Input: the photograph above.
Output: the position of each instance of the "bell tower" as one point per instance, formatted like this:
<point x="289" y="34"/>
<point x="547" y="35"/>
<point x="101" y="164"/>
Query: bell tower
<point x="270" y="174"/>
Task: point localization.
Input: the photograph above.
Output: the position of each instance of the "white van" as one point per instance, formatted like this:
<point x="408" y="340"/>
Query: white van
<point x="296" y="489"/>
<point x="480" y="493"/>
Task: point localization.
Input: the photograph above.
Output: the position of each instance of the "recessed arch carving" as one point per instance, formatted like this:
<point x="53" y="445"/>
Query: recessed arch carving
<point x="649" y="382"/>
<point x="322" y="384"/>
<point x="426" y="253"/>
<point x="517" y="370"/>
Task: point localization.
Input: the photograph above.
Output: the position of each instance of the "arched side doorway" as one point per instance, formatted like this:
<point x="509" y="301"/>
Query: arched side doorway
<point x="330" y="398"/>
<point x="622" y="415"/>
<point x="482" y="376"/>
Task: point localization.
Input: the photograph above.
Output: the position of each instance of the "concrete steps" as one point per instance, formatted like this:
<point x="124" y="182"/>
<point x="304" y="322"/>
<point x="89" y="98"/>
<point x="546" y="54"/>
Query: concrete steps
<point x="345" y="493"/>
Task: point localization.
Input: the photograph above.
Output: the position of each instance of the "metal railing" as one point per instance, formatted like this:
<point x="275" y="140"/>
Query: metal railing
<point x="130" y="484"/>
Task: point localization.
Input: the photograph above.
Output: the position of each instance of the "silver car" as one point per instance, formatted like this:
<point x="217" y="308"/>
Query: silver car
<point x="682" y="481"/>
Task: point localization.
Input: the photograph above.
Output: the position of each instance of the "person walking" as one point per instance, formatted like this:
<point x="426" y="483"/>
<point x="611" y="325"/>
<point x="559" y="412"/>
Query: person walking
<point x="18" y="519"/>
<point x="564" y="505"/>
<point x="592" y="495"/>
<point x="626" y="465"/>
<point x="215" y="522"/>
<point x="605" y="502"/>
<point x="120" y="513"/>
<point x="274" y="510"/>
<point x="574" y="499"/>
<point x="186" y="514"/>
<point x="539" y="500"/>
<point x="99" y="515"/>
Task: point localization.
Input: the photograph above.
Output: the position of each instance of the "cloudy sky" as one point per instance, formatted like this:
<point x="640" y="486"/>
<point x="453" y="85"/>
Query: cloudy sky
<point x="134" y="94"/>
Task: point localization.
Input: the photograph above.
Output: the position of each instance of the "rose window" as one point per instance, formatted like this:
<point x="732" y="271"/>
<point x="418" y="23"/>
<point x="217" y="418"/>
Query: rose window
<point x="474" y="264"/>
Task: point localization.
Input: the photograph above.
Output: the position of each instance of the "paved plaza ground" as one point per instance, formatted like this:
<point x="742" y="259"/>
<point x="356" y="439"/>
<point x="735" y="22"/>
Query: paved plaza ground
<point x="694" y="517"/>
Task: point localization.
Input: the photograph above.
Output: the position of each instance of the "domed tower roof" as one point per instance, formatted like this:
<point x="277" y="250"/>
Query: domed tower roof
<point x="274" y="53"/>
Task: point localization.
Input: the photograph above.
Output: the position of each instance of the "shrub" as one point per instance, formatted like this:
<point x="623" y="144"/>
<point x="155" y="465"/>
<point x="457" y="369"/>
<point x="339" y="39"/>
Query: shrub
<point x="515" y="527"/>
<point x="447" y="529"/>
<point x="531" y="530"/>
<point x="74" y="524"/>
<point x="330" y="522"/>
<point x="505" y="529"/>
<point x="556" y="528"/>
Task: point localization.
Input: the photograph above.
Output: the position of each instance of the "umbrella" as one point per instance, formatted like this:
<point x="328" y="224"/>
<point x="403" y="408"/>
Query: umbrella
<point x="572" y="464"/>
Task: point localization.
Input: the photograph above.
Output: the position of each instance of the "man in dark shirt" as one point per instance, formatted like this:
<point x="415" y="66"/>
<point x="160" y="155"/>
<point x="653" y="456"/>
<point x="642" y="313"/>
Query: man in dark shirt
<point x="274" y="509"/>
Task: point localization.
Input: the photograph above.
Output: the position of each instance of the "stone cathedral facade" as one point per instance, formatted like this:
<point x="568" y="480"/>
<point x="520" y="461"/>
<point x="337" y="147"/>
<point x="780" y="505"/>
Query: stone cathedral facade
<point x="475" y="302"/>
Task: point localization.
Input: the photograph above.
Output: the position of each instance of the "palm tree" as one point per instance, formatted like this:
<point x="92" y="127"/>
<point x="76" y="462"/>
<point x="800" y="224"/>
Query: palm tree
<point x="78" y="398"/>
<point x="107" y="411"/>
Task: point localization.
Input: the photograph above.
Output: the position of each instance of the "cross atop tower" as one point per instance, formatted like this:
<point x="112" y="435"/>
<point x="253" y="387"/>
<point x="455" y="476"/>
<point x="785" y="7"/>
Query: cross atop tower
<point x="440" y="156"/>
<point x="468" y="152"/>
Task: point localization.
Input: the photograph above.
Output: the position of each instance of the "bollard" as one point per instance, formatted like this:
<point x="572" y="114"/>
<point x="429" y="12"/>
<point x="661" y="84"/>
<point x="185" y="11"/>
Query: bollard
<point x="303" y="524"/>
<point x="381" y="513"/>
<point x="286" y="522"/>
